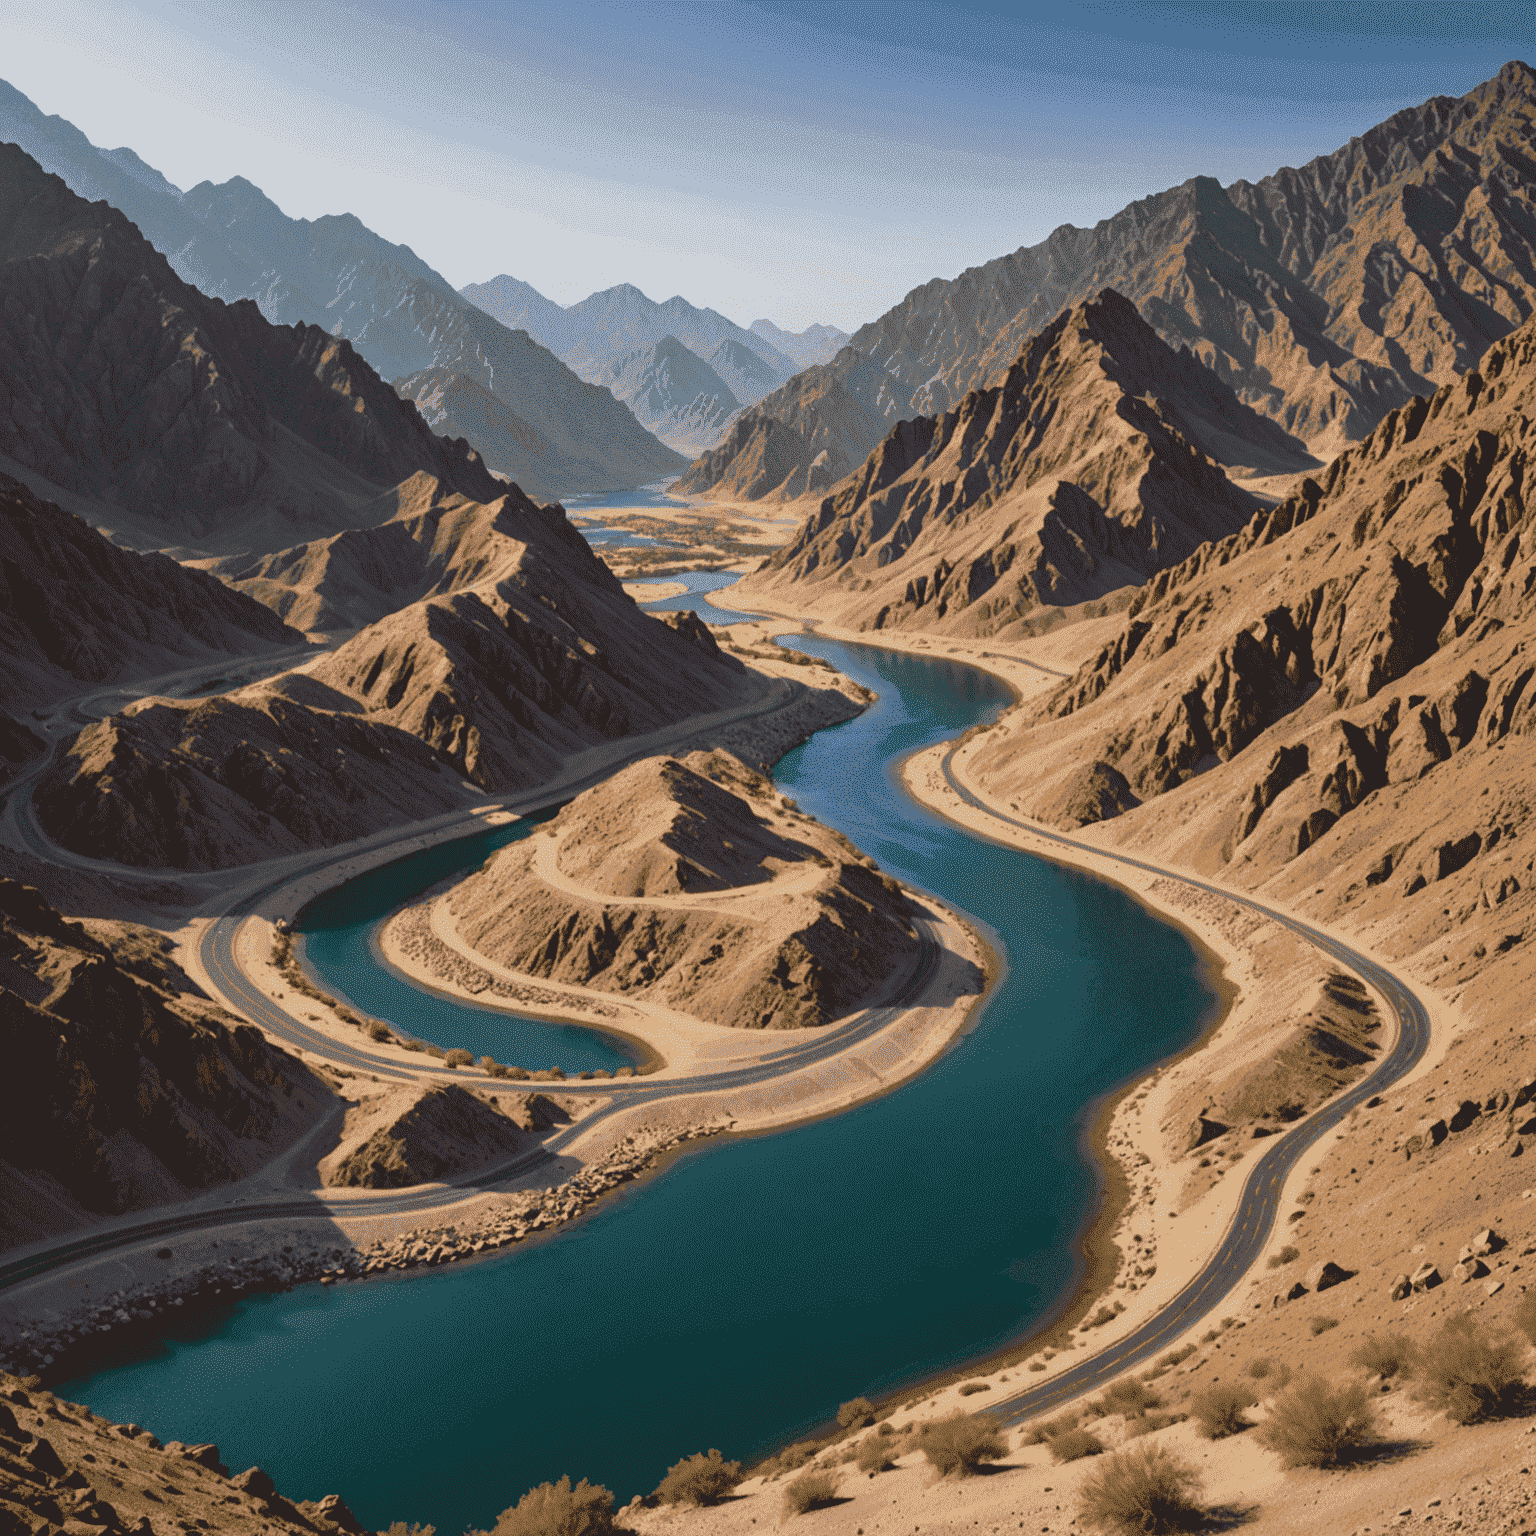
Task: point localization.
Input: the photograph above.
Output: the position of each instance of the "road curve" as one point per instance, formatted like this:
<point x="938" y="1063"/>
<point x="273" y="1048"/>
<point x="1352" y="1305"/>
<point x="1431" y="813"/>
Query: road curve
<point x="1254" y="1220"/>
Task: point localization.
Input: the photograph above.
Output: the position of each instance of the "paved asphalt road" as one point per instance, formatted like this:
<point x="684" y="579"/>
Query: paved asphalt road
<point x="1258" y="1207"/>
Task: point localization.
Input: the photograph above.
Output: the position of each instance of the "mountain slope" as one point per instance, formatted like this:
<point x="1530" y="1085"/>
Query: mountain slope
<point x="1090" y="467"/>
<point x="76" y="610"/>
<point x="186" y="421"/>
<point x="1335" y="705"/>
<point x="815" y="344"/>
<point x="526" y="653"/>
<point x="1325" y="296"/>
<point x="674" y="394"/>
<point x="592" y="335"/>
<point x="233" y="242"/>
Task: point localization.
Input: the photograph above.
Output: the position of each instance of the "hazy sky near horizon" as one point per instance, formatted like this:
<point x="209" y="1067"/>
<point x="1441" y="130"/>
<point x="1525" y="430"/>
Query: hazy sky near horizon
<point x="803" y="162"/>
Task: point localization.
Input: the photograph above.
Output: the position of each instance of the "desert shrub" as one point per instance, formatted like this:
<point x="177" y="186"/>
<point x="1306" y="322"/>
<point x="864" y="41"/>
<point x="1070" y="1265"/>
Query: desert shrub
<point x="1260" y="1367"/>
<point x="1470" y="1373"/>
<point x="1287" y="1255"/>
<point x="457" y="1057"/>
<point x="379" y="1031"/>
<point x="960" y="1443"/>
<point x="1322" y="1325"/>
<point x="1076" y="1444"/>
<point x="874" y="1454"/>
<point x="412" y="1045"/>
<point x="1315" y="1424"/>
<point x="856" y="1414"/>
<point x="1099" y="1318"/>
<point x="698" y="1479"/>
<point x="1219" y="1409"/>
<point x="557" y="1509"/>
<point x="1525" y="1316"/>
<point x="792" y="1457"/>
<point x="1385" y="1354"/>
<point x="1129" y="1396"/>
<point x="1037" y="1365"/>
<point x="1145" y="1423"/>
<point x="400" y="1528"/>
<point x="970" y="1388"/>
<point x="1047" y="1429"/>
<point x="1146" y="1490"/>
<point x="811" y="1490"/>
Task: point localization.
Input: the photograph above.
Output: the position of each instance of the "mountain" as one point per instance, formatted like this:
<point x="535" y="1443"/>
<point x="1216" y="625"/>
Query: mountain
<point x="1091" y="466"/>
<point x="1335" y="704"/>
<point x="76" y="610"/>
<point x="181" y="420"/>
<point x="815" y="344"/>
<point x="232" y="242"/>
<point x="617" y="322"/>
<point x="675" y="394"/>
<point x="519" y="651"/>
<point x="1325" y="297"/>
<point x="749" y="377"/>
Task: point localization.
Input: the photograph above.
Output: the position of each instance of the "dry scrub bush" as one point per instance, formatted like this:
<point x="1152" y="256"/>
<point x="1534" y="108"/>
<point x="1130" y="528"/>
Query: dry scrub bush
<point x="557" y="1509"/>
<point x="1385" y="1355"/>
<point x="457" y="1057"/>
<point x="1322" y="1325"/>
<point x="1146" y="1423"/>
<point x="1047" y="1429"/>
<point x="856" y="1414"/>
<point x="874" y="1454"/>
<point x="811" y="1490"/>
<point x="1525" y="1316"/>
<point x="1146" y="1490"/>
<point x="1287" y="1255"/>
<point x="960" y="1443"/>
<point x="697" y="1479"/>
<point x="1075" y="1444"/>
<point x="1316" y="1424"/>
<point x="970" y="1388"/>
<point x="1471" y="1373"/>
<point x="400" y="1528"/>
<point x="1130" y="1397"/>
<point x="1220" y="1410"/>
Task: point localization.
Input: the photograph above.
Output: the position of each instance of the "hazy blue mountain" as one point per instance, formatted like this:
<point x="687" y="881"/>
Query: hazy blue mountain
<point x="815" y="344"/>
<point x="749" y="377"/>
<point x="675" y="394"/>
<point x="617" y="322"/>
<point x="231" y="241"/>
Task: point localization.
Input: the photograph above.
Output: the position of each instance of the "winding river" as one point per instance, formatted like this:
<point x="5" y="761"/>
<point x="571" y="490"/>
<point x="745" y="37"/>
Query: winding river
<point x="736" y="1298"/>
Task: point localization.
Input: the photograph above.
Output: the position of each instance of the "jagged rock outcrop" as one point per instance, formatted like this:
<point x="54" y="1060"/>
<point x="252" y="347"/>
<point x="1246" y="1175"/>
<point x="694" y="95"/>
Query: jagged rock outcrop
<point x="138" y="1090"/>
<point x="1087" y="469"/>
<point x="531" y="652"/>
<point x="692" y="884"/>
<point x="75" y="609"/>
<point x="1325" y="296"/>
<point x="675" y="394"/>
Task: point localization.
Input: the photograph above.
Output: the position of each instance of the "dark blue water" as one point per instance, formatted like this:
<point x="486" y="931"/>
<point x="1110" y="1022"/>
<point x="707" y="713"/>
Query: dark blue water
<point x="696" y="599"/>
<point x="337" y="930"/>
<point x="735" y="1300"/>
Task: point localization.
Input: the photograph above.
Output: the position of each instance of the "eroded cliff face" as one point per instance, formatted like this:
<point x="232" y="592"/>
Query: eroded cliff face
<point x="692" y="884"/>
<point x="1325" y="296"/>
<point x="531" y="653"/>
<point x="138" y="1090"/>
<point x="1335" y="704"/>
<point x="1087" y="469"/>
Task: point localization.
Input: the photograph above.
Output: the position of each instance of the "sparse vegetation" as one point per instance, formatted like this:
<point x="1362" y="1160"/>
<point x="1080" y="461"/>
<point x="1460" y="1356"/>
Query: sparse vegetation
<point x="1146" y="1491"/>
<point x="1102" y="1316"/>
<point x="1322" y="1325"/>
<point x="1315" y="1424"/>
<point x="1220" y="1410"/>
<point x="1470" y="1373"/>
<point x="970" y="1388"/>
<point x="1385" y="1355"/>
<point x="698" y="1479"/>
<point x="1075" y="1444"/>
<point x="1260" y="1367"/>
<point x="1287" y="1255"/>
<point x="811" y="1490"/>
<point x="457" y="1057"/>
<point x="557" y="1509"/>
<point x="1129" y="1396"/>
<point x="874" y="1454"/>
<point x="959" y="1444"/>
<point x="856" y="1414"/>
<point x="1047" y="1429"/>
<point x="1525" y="1316"/>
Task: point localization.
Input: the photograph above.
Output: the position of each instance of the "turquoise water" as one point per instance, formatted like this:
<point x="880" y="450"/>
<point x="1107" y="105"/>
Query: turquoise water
<point x="737" y="1298"/>
<point x="337" y="930"/>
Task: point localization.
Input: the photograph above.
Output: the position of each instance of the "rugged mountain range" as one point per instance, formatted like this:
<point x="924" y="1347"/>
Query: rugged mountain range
<point x="505" y="648"/>
<point x="815" y="344"/>
<point x="1092" y="465"/>
<point x="180" y="420"/>
<point x="77" y="610"/>
<point x="1336" y="702"/>
<point x="617" y="322"/>
<point x="232" y="242"/>
<point x="675" y="394"/>
<point x="1325" y="296"/>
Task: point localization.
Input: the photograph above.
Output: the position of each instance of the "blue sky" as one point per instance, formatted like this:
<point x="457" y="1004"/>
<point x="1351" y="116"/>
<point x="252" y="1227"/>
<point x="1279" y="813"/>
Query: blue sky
<point x="797" y="161"/>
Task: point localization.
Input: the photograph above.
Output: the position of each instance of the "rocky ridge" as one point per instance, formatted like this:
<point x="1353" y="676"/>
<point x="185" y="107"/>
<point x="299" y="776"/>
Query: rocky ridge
<point x="637" y="888"/>
<point x="1093" y="464"/>
<point x="674" y="394"/>
<point x="1325" y="296"/>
